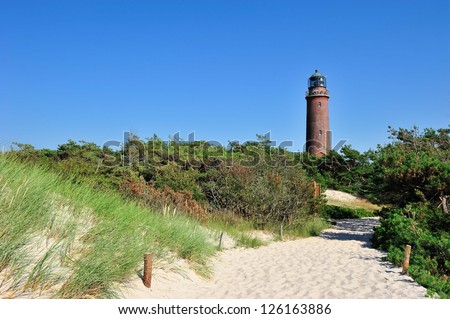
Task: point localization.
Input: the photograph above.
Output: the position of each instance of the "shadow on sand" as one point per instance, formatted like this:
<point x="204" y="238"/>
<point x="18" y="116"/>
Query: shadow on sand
<point x="354" y="230"/>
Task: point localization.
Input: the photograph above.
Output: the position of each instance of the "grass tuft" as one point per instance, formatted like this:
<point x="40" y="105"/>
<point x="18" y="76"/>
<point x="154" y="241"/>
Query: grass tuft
<point x="306" y="228"/>
<point x="249" y="241"/>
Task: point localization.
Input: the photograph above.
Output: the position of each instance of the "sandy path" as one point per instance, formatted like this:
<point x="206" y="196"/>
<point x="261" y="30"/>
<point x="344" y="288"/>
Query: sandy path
<point x="338" y="264"/>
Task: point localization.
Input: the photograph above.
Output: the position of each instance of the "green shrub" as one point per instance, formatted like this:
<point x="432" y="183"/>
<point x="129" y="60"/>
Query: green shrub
<point x="430" y="254"/>
<point x="264" y="194"/>
<point x="179" y="179"/>
<point x="249" y="241"/>
<point x="337" y="212"/>
<point x="305" y="227"/>
<point x="314" y="227"/>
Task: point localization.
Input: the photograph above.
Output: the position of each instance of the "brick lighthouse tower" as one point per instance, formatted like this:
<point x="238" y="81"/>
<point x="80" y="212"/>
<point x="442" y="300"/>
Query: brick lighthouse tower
<point x="318" y="134"/>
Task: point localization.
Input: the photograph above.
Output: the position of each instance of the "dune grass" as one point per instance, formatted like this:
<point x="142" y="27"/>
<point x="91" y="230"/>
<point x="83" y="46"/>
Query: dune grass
<point x="69" y="240"/>
<point x="242" y="231"/>
<point x="308" y="227"/>
<point x="235" y="226"/>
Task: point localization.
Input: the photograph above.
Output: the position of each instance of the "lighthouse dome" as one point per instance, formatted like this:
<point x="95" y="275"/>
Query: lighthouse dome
<point x="317" y="79"/>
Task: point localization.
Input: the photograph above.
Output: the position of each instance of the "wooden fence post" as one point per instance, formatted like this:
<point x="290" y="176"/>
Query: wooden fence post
<point x="405" y="264"/>
<point x="316" y="189"/>
<point x="281" y="232"/>
<point x="148" y="265"/>
<point x="221" y="240"/>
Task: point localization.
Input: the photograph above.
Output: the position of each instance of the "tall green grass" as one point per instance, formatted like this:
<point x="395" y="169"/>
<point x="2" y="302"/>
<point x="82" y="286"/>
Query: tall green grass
<point x="307" y="227"/>
<point x="70" y="240"/>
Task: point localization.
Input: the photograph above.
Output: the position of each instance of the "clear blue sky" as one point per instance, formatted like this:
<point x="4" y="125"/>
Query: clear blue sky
<point x="226" y="70"/>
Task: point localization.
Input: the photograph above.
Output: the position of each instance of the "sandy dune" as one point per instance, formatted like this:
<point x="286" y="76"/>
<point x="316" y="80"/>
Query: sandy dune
<point x="344" y="199"/>
<point x="338" y="264"/>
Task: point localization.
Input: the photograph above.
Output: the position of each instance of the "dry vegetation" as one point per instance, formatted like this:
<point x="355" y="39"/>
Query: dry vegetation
<point x="343" y="199"/>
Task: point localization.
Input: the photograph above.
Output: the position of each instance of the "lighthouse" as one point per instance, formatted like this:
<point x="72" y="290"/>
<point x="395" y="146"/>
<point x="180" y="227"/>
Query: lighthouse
<point x="318" y="134"/>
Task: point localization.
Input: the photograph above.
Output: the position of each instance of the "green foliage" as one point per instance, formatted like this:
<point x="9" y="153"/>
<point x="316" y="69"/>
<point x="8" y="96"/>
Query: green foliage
<point x="312" y="226"/>
<point x="178" y="179"/>
<point x="413" y="175"/>
<point x="252" y="180"/>
<point x="261" y="193"/>
<point x="414" y="168"/>
<point x="430" y="255"/>
<point x="249" y="241"/>
<point x="394" y="231"/>
<point x="337" y="212"/>
<point x="348" y="170"/>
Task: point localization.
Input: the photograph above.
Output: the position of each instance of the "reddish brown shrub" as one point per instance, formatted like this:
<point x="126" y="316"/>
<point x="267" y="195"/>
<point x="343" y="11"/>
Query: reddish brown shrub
<point x="165" y="198"/>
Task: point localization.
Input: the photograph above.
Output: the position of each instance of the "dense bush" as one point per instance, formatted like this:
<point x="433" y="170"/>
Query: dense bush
<point x="164" y="198"/>
<point x="173" y="176"/>
<point x="337" y="212"/>
<point x="250" y="180"/>
<point x="413" y="174"/>
<point x="266" y="194"/>
<point x="430" y="256"/>
<point x="415" y="167"/>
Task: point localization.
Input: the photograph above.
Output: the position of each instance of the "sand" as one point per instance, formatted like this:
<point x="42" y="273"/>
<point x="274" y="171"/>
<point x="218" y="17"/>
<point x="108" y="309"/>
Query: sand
<point x="344" y="199"/>
<point x="338" y="264"/>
